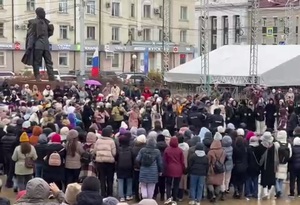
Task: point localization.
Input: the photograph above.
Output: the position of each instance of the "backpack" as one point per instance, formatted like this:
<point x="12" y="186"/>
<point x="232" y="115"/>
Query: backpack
<point x="86" y="158"/>
<point x="147" y="159"/>
<point x="283" y="153"/>
<point x="125" y="158"/>
<point x="218" y="167"/>
<point x="29" y="163"/>
<point x="54" y="159"/>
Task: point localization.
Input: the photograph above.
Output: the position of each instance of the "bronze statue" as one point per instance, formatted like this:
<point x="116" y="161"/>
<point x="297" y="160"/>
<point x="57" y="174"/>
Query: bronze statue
<point x="37" y="44"/>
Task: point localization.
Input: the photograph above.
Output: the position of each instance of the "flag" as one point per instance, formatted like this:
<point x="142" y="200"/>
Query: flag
<point x="95" y="64"/>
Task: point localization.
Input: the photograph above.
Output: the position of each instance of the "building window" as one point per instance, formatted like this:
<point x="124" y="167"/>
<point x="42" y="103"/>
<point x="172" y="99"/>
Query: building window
<point x="225" y="21"/>
<point x="1" y="29"/>
<point x="161" y="12"/>
<point x="146" y="34"/>
<point x="63" y="6"/>
<point x="91" y="32"/>
<point x="89" y="58"/>
<point x="63" y="59"/>
<point x="182" y="59"/>
<point x="275" y="38"/>
<point x="275" y="21"/>
<point x="147" y="11"/>
<point x="91" y="7"/>
<point x="115" y="61"/>
<point x="225" y="42"/>
<point x="237" y="22"/>
<point x="214" y="39"/>
<point x="161" y="35"/>
<point x="183" y="12"/>
<point x="297" y="24"/>
<point x="214" y="23"/>
<point x="264" y="39"/>
<point x="132" y="10"/>
<point x="2" y="58"/>
<point x="115" y="32"/>
<point x="183" y="34"/>
<point x="297" y="39"/>
<point x="30" y="5"/>
<point x="1" y="2"/>
<point x="63" y="31"/>
<point x="264" y="22"/>
<point x="115" y="9"/>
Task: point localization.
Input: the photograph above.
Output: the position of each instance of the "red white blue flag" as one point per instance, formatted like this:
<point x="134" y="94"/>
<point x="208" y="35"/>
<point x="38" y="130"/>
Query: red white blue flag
<point x="95" y="64"/>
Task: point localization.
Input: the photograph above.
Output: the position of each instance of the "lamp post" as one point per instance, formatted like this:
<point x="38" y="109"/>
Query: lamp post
<point x="134" y="68"/>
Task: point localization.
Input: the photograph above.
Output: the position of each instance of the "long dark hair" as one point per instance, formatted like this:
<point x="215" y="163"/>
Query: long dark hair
<point x="71" y="147"/>
<point x="25" y="147"/>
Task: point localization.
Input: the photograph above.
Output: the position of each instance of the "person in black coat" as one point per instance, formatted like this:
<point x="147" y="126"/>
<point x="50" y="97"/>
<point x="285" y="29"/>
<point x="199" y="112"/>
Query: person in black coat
<point x="41" y="151"/>
<point x="161" y="185"/>
<point x="7" y="148"/>
<point x="216" y="119"/>
<point x="295" y="167"/>
<point x="270" y="114"/>
<point x="240" y="161"/>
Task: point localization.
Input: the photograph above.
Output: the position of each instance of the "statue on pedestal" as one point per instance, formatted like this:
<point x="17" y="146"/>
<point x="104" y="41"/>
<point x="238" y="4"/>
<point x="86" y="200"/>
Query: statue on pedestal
<point x="37" y="44"/>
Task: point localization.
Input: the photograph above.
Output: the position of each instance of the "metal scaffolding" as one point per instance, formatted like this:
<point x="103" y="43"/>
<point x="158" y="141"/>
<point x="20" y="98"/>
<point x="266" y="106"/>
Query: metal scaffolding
<point x="166" y="36"/>
<point x="204" y="40"/>
<point x="289" y="21"/>
<point x="253" y="73"/>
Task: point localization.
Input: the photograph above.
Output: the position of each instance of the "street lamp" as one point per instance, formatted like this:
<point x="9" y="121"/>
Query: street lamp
<point x="134" y="69"/>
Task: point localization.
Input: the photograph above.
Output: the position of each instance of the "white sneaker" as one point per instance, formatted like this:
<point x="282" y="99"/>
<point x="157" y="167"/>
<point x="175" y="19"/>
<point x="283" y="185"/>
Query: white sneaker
<point x="198" y="203"/>
<point x="169" y="200"/>
<point x="129" y="198"/>
<point x="122" y="200"/>
<point x="191" y="202"/>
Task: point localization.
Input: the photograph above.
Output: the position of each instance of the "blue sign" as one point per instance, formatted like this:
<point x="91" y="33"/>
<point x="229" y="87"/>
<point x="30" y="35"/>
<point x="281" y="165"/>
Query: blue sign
<point x="146" y="61"/>
<point x="281" y="43"/>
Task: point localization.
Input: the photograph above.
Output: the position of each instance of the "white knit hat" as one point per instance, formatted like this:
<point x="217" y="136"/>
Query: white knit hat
<point x="218" y="136"/>
<point x="240" y="132"/>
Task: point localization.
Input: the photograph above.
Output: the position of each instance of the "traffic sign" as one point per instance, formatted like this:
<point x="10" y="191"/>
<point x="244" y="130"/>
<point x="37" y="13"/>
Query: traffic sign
<point x="175" y="49"/>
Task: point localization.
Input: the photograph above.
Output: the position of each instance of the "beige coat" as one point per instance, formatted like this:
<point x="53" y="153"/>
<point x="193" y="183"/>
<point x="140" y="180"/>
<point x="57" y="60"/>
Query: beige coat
<point x="215" y="153"/>
<point x="105" y="150"/>
<point x="185" y="149"/>
<point x="19" y="158"/>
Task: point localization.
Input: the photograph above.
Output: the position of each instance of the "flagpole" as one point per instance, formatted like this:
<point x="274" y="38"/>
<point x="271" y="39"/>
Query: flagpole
<point x="82" y="38"/>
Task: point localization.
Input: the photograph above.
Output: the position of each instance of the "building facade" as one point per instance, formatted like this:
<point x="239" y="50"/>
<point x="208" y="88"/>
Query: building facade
<point x="228" y="22"/>
<point x="122" y="29"/>
<point x="272" y="22"/>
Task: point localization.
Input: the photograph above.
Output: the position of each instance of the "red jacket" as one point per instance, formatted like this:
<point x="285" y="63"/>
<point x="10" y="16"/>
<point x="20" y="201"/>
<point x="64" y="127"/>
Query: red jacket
<point x="173" y="160"/>
<point x="147" y="93"/>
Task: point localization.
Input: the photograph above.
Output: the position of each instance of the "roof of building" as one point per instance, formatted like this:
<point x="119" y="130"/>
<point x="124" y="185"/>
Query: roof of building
<point x="234" y="60"/>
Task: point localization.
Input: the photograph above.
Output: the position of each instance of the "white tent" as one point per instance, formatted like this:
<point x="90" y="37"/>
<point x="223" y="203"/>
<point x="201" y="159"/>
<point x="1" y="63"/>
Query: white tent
<point x="230" y="64"/>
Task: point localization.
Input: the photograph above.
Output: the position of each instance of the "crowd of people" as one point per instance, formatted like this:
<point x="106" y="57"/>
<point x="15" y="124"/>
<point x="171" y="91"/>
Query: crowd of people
<point x="154" y="145"/>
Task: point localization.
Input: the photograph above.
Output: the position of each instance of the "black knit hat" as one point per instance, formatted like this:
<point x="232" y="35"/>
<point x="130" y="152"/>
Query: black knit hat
<point x="90" y="184"/>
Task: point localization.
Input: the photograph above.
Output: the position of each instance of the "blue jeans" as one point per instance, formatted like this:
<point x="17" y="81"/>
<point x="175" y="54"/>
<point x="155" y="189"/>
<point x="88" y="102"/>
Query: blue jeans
<point x="196" y="187"/>
<point x="278" y="186"/>
<point x="121" y="190"/>
<point x="39" y="170"/>
<point x="251" y="186"/>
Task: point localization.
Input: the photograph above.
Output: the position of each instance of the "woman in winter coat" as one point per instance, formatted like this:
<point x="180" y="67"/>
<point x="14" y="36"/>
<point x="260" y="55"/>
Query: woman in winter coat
<point x="24" y="155"/>
<point x="51" y="173"/>
<point x="227" y="146"/>
<point x="174" y="168"/>
<point x="295" y="167"/>
<point x="283" y="149"/>
<point x="266" y="153"/>
<point x="161" y="185"/>
<point x="134" y="117"/>
<point x="74" y="151"/>
<point x="88" y="168"/>
<point x="253" y="170"/>
<point x="124" y="168"/>
<point x="150" y="161"/>
<point x="41" y="151"/>
<point x="197" y="168"/>
<point x="38" y="192"/>
<point x="185" y="150"/>
<point x="216" y="155"/>
<point x="139" y="143"/>
<point x="239" y="172"/>
<point x="270" y="114"/>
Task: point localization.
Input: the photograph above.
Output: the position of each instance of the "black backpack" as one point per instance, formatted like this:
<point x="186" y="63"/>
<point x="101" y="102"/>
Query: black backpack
<point x="283" y="153"/>
<point x="147" y="159"/>
<point x="218" y="166"/>
<point x="86" y="158"/>
<point x="125" y="158"/>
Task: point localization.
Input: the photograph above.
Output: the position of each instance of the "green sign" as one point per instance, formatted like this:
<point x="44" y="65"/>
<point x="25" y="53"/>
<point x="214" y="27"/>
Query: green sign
<point x="78" y="47"/>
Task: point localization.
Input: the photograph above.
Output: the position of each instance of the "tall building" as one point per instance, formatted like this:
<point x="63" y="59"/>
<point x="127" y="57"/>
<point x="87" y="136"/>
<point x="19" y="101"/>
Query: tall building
<point x="122" y="29"/>
<point x="228" y="22"/>
<point x="272" y="20"/>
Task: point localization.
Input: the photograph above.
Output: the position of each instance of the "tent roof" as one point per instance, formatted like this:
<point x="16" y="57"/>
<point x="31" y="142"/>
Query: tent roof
<point x="285" y="74"/>
<point x="234" y="60"/>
